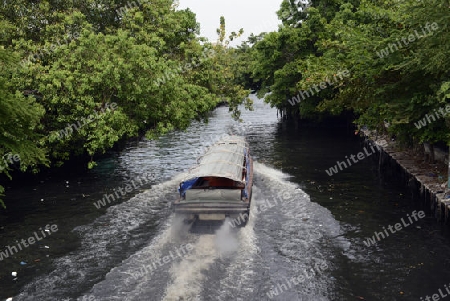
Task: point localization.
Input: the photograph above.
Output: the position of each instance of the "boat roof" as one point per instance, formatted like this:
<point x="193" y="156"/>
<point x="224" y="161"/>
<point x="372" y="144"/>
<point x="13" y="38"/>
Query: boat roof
<point x="224" y="159"/>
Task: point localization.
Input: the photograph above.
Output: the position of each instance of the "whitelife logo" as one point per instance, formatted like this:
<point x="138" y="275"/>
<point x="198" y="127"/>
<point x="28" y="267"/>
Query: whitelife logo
<point x="11" y="250"/>
<point x="437" y="297"/>
<point x="320" y="267"/>
<point x="392" y="47"/>
<point x="32" y="58"/>
<point x="360" y="156"/>
<point x="398" y="226"/>
<point x="8" y="159"/>
<point x="302" y="95"/>
<point x="261" y="207"/>
<point x="108" y="198"/>
<point x="423" y="122"/>
<point x="181" y="252"/>
<point x="71" y="128"/>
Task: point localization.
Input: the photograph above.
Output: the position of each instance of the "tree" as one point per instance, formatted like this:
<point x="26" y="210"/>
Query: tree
<point x="391" y="79"/>
<point x="19" y="121"/>
<point x="225" y="73"/>
<point x="105" y="71"/>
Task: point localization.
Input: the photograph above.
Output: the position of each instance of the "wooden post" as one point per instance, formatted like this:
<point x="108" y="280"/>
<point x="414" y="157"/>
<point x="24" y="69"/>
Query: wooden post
<point x="448" y="176"/>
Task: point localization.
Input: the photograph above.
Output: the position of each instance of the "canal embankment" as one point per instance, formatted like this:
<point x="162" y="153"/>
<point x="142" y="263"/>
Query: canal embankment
<point x="426" y="178"/>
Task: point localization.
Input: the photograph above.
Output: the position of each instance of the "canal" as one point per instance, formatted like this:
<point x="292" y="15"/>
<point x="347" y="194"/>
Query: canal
<point x="306" y="239"/>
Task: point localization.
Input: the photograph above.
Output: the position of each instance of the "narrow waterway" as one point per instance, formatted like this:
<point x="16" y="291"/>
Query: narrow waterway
<point x="304" y="224"/>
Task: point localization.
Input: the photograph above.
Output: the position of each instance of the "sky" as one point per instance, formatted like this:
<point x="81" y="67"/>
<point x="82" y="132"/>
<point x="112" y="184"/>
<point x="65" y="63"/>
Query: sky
<point x="254" y="16"/>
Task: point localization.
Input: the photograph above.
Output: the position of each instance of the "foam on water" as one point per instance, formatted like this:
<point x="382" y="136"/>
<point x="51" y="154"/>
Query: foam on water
<point x="187" y="276"/>
<point x="100" y="240"/>
<point x="295" y="239"/>
<point x="239" y="273"/>
<point x="297" y="226"/>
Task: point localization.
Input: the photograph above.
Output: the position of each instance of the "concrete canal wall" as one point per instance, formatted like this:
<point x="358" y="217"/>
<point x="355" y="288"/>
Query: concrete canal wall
<point x="426" y="181"/>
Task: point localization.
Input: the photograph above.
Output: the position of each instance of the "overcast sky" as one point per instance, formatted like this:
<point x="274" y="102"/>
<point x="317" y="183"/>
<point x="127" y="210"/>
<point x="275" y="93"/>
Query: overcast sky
<point x="254" y="16"/>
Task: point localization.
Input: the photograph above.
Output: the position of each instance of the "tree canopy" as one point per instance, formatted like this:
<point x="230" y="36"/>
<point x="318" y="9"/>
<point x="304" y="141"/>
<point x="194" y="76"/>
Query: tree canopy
<point x="396" y="54"/>
<point x="79" y="76"/>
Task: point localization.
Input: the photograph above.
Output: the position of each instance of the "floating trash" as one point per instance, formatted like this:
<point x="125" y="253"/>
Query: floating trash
<point x="14" y="274"/>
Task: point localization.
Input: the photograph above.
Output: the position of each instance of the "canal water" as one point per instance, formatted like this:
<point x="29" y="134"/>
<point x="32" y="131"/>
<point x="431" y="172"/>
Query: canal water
<point x="306" y="238"/>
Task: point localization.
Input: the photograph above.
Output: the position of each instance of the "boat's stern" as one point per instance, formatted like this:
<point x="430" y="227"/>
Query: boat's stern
<point x="211" y="210"/>
<point x="212" y="204"/>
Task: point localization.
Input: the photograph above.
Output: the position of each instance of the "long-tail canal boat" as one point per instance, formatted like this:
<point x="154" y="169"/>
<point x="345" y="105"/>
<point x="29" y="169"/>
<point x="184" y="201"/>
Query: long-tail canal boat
<point x="220" y="186"/>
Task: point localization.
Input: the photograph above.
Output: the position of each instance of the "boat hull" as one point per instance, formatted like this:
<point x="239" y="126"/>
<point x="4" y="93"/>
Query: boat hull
<point x="227" y="208"/>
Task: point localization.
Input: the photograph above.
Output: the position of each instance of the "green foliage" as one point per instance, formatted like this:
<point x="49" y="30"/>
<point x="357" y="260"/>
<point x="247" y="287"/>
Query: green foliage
<point x="225" y="72"/>
<point x="400" y="87"/>
<point x="19" y="122"/>
<point x="101" y="71"/>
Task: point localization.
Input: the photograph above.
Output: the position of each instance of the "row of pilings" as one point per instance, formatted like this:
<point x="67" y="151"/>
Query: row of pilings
<point x="427" y="190"/>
